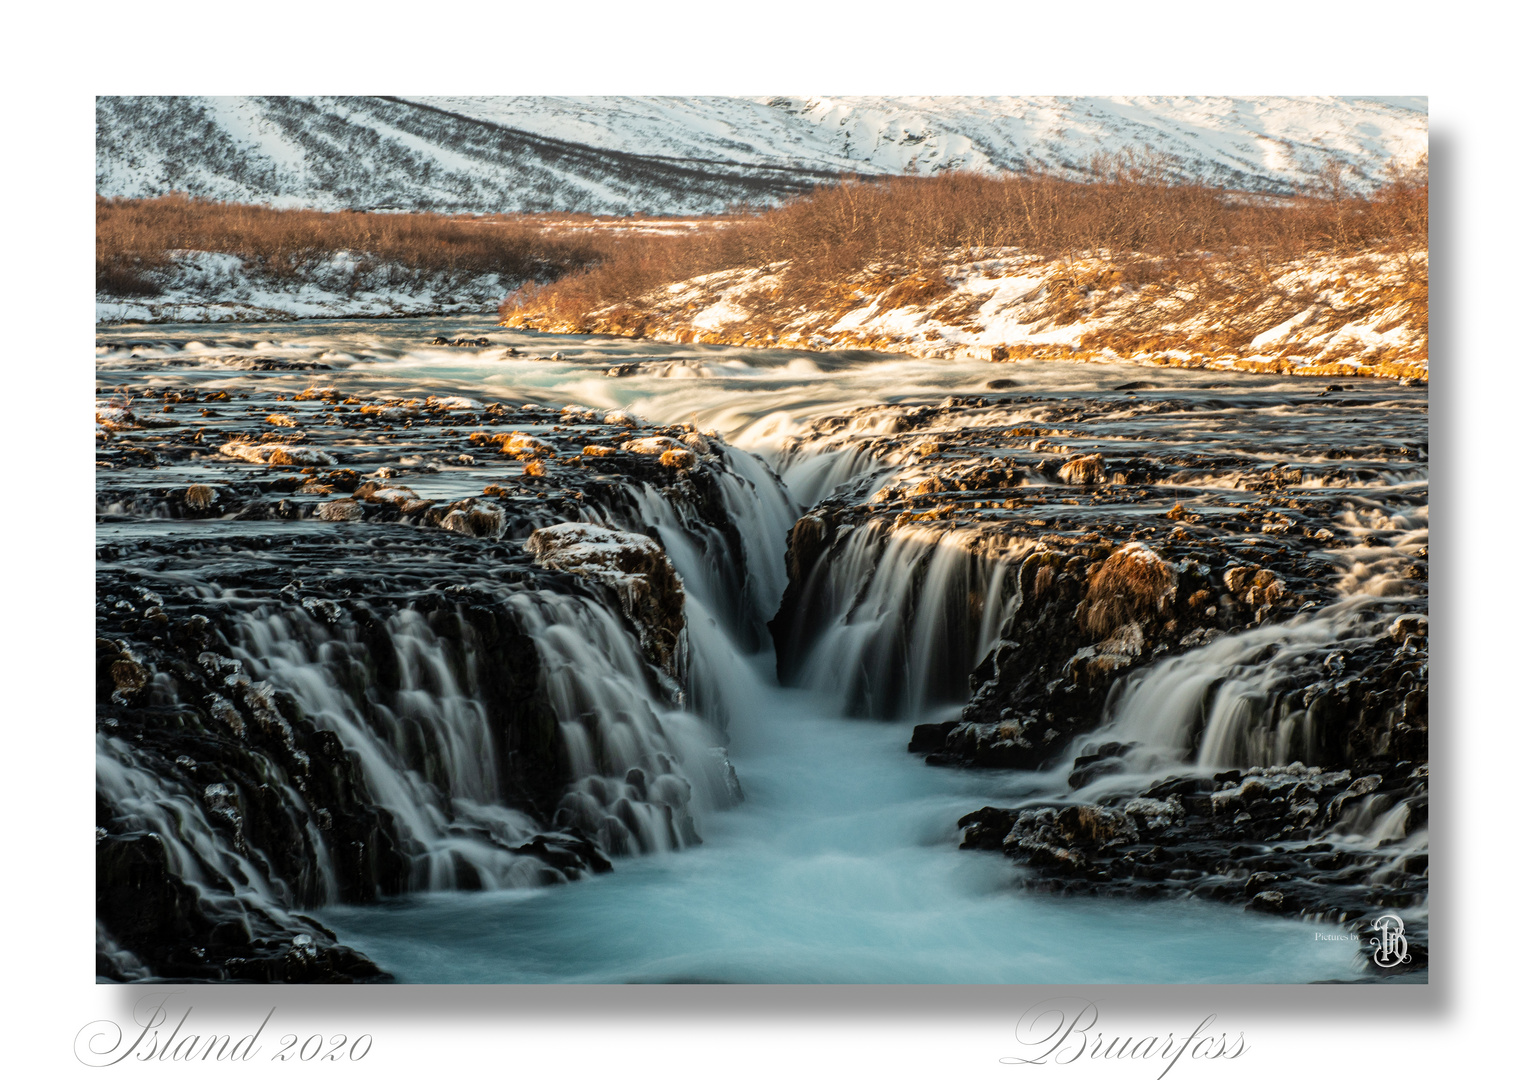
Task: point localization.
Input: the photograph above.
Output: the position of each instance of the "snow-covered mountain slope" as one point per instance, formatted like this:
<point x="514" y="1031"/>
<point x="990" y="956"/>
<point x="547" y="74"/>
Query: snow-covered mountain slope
<point x="1257" y="143"/>
<point x="700" y="154"/>
<point x="374" y="153"/>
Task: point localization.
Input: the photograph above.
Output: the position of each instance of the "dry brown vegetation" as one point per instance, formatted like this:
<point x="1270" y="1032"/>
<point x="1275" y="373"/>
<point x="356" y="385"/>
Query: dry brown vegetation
<point x="897" y="233"/>
<point x="1132" y="585"/>
<point x="1246" y="299"/>
<point x="135" y="237"/>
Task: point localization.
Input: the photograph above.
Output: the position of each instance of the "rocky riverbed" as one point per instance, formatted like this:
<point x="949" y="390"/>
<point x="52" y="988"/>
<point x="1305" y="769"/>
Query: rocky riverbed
<point x="318" y="684"/>
<point x="1180" y="584"/>
<point x="381" y="618"/>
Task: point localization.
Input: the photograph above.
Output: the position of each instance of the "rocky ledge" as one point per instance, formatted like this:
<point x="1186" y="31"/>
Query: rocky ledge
<point x="1275" y="839"/>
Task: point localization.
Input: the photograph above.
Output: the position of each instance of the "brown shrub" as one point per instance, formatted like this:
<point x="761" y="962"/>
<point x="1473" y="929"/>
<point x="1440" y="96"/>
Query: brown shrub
<point x="916" y="289"/>
<point x="123" y="278"/>
<point x="1152" y="230"/>
<point x="133" y="237"/>
<point x="1132" y="585"/>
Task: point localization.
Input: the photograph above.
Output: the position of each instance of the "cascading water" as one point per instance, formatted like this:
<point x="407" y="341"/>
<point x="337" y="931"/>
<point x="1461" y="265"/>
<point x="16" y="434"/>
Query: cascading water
<point x="1234" y="703"/>
<point x="736" y="574"/>
<point x="814" y="472"/>
<point x="634" y="763"/>
<point x="841" y="865"/>
<point x="1242" y="701"/>
<point x="224" y="877"/>
<point x="413" y="688"/>
<point x="425" y="747"/>
<point x="1269" y="708"/>
<point x="891" y="625"/>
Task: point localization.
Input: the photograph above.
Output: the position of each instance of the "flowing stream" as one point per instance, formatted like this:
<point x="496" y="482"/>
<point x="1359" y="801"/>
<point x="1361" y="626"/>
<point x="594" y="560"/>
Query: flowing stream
<point x="838" y="859"/>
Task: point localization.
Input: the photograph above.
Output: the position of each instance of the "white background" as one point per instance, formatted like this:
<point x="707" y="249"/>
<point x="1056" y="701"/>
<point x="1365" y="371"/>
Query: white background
<point x="58" y="61"/>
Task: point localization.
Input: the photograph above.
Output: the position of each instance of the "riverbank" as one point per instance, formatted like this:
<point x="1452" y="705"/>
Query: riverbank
<point x="1127" y="266"/>
<point x="1349" y="316"/>
<point x="221" y="287"/>
<point x="177" y="259"/>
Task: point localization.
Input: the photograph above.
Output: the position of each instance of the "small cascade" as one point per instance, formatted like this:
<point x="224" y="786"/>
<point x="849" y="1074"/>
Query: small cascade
<point x="892" y="621"/>
<point x="763" y="511"/>
<point x="421" y="725"/>
<point x="1239" y="701"/>
<point x="732" y="573"/>
<point x="736" y="570"/>
<point x="812" y="474"/>
<point x="412" y="711"/>
<point x="638" y="766"/>
<point x="639" y="754"/>
<point x="722" y="684"/>
<point x="1274" y="712"/>
<point x="153" y="801"/>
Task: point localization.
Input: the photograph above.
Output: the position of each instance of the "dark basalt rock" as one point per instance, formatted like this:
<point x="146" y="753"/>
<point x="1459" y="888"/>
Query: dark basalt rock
<point x="208" y="729"/>
<point x="1135" y="539"/>
<point x="344" y="548"/>
<point x="1129" y="560"/>
<point x="466" y="343"/>
<point x="1268" y="839"/>
<point x="220" y="733"/>
<point x="244" y="749"/>
<point x="167" y="926"/>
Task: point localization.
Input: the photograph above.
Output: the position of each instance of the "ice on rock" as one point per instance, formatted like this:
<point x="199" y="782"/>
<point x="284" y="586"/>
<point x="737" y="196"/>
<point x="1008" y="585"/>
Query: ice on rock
<point x="635" y="567"/>
<point x="651" y="444"/>
<point x="277" y="454"/>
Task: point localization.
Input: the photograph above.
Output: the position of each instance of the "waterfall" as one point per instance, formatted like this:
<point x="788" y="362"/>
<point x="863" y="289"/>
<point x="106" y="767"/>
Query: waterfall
<point x="426" y="692"/>
<point x="1247" y="703"/>
<point x="305" y="712"/>
<point x="763" y="511"/>
<point x="234" y="883"/>
<point x="424" y="746"/>
<point x="149" y="801"/>
<point x="812" y="473"/>
<point x="733" y="579"/>
<point x="1237" y="702"/>
<point x="738" y="573"/>
<point x="638" y="768"/>
<point x="891" y="622"/>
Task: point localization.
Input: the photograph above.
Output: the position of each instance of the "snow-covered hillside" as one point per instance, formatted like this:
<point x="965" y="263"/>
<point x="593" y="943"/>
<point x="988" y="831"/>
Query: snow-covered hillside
<point x="1318" y="315"/>
<point x="698" y="155"/>
<point x="214" y="286"/>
